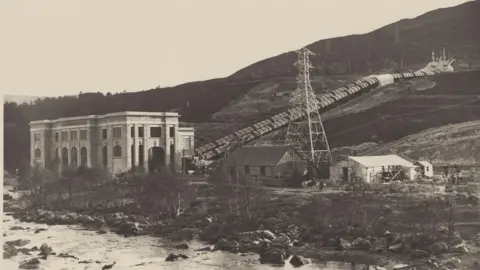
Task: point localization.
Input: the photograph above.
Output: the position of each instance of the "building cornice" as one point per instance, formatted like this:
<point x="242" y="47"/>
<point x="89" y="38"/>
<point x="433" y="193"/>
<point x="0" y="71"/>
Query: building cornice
<point x="108" y="115"/>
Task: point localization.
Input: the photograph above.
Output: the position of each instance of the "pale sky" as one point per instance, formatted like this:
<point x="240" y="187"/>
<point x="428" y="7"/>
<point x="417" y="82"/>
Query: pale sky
<point x="62" y="47"/>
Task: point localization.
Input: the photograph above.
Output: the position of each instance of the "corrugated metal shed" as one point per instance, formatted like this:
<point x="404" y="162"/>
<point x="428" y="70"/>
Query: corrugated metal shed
<point x="378" y="161"/>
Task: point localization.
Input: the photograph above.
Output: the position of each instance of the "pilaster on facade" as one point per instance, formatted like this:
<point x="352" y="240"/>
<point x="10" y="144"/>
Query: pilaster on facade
<point x="90" y="143"/>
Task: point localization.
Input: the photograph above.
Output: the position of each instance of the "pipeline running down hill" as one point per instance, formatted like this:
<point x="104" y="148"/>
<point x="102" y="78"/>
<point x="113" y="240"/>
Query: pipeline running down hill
<point x="217" y="149"/>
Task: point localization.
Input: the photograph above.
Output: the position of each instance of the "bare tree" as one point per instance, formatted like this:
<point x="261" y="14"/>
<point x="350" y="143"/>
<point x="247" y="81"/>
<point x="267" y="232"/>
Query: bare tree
<point x="92" y="178"/>
<point x="160" y="192"/>
<point x="37" y="181"/>
<point x="241" y="191"/>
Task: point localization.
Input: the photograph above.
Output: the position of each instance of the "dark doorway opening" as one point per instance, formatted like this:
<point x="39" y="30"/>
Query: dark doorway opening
<point x="172" y="158"/>
<point x="83" y="156"/>
<point x="157" y="159"/>
<point x="141" y="155"/>
<point x="64" y="157"/>
<point x="105" y="156"/>
<point x="132" y="149"/>
<point x="345" y="174"/>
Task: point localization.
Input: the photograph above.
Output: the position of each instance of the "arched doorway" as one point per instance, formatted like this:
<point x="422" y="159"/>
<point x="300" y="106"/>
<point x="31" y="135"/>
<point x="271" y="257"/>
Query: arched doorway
<point x="74" y="158"/>
<point x="141" y="155"/>
<point x="83" y="156"/>
<point x="65" y="156"/>
<point x="132" y="150"/>
<point x="172" y="157"/>
<point x="105" y="157"/>
<point x="38" y="153"/>
<point x="156" y="159"/>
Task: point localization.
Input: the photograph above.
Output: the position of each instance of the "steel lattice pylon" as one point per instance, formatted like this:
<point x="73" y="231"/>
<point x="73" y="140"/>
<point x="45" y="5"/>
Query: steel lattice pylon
<point x="307" y="133"/>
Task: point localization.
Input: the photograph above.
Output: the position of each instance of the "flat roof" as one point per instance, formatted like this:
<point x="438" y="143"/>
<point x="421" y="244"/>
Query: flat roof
<point x="385" y="160"/>
<point x="126" y="113"/>
<point x="186" y="128"/>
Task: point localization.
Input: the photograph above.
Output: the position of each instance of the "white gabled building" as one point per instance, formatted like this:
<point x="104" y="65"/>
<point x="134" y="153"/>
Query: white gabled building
<point x="373" y="168"/>
<point x="426" y="168"/>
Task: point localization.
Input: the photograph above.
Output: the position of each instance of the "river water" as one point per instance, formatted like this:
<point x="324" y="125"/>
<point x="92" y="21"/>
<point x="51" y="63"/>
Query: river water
<point x="142" y="252"/>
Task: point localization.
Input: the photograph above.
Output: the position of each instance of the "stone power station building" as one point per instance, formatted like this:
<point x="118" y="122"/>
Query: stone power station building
<point x="115" y="141"/>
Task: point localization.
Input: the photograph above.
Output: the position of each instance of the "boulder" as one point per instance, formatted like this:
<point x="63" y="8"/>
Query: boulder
<point x="181" y="246"/>
<point x="282" y="239"/>
<point x="45" y="250"/>
<point x="255" y="235"/>
<point x="207" y="248"/>
<point x="40" y="230"/>
<point x="9" y="251"/>
<point x="330" y="242"/>
<point x="173" y="257"/>
<point x="362" y="244"/>
<point x="65" y="255"/>
<point x="452" y="263"/>
<point x="461" y="248"/>
<point x="420" y="241"/>
<point x="456" y="240"/>
<point x="298" y="261"/>
<point x="273" y="255"/>
<point x="30" y="264"/>
<point x="127" y="228"/>
<point x="18" y="242"/>
<point x="16" y="228"/>
<point x="342" y="244"/>
<point x="396" y="248"/>
<point x="225" y="245"/>
<point x="438" y="248"/>
<point x="392" y="238"/>
<point x="212" y="232"/>
<point x="297" y="243"/>
<point x="91" y="221"/>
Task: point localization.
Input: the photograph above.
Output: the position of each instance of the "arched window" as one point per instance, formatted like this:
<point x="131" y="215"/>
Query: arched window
<point x="65" y="156"/>
<point x="117" y="151"/>
<point x="38" y="153"/>
<point x="74" y="158"/>
<point x="83" y="156"/>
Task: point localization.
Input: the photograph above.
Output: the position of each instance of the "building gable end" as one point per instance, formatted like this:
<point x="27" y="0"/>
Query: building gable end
<point x="287" y="157"/>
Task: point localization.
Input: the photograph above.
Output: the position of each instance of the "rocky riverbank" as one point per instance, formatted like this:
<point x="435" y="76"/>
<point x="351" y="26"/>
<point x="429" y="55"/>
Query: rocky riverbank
<point x="273" y="248"/>
<point x="278" y="237"/>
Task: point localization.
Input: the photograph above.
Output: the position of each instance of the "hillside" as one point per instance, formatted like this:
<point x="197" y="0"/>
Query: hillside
<point x="219" y="106"/>
<point x="457" y="144"/>
<point x="391" y="113"/>
<point x="456" y="28"/>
